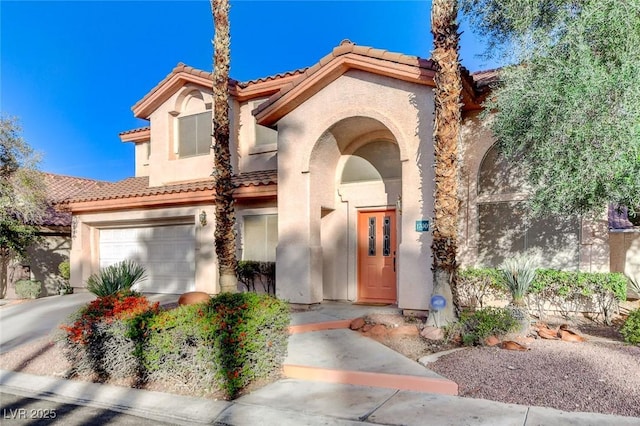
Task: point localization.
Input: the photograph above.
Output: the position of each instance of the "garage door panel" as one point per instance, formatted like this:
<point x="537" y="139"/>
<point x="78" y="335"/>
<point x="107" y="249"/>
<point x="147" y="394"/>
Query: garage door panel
<point x="166" y="252"/>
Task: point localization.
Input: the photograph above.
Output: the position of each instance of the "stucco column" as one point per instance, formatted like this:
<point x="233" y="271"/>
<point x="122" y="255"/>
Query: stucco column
<point x="298" y="254"/>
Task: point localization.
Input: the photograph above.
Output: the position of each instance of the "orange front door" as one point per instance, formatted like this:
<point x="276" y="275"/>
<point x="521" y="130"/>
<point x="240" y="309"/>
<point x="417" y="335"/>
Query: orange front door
<point x="377" y="256"/>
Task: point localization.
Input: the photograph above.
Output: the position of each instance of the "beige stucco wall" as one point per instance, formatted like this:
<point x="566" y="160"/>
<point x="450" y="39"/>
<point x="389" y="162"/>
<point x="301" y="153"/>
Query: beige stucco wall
<point x="625" y="253"/>
<point x="164" y="167"/>
<point x="85" y="253"/>
<point x="307" y="173"/>
<point x="43" y="260"/>
<point x="593" y="244"/>
<point x="141" y="160"/>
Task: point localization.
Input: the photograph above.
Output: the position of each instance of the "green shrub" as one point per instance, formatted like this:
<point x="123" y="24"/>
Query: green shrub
<point x="106" y="337"/>
<point x="65" y="269"/>
<point x="476" y="326"/>
<point x="571" y="289"/>
<point x="116" y="278"/>
<point x="224" y="344"/>
<point x="631" y="328"/>
<point x="250" y="271"/>
<point x="475" y="284"/>
<point x="518" y="273"/>
<point x="28" y="289"/>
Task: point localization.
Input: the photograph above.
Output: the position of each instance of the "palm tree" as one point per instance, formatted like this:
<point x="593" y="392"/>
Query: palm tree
<point x="225" y="216"/>
<point x="446" y="134"/>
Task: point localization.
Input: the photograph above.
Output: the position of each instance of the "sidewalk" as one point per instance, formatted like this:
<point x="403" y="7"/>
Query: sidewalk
<point x="340" y="359"/>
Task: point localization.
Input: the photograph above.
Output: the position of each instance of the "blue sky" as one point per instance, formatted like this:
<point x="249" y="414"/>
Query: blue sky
<point x="70" y="71"/>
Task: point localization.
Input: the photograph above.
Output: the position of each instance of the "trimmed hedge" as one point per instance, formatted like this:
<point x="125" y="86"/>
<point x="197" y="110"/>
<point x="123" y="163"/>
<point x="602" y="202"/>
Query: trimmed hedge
<point x="28" y="289"/>
<point x="631" y="328"/>
<point x="476" y="284"/>
<point x="221" y="345"/>
<point x="250" y="271"/>
<point x="568" y="290"/>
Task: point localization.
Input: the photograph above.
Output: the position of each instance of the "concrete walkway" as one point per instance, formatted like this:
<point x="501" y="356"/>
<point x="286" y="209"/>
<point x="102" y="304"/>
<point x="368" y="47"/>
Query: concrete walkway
<point x="340" y="357"/>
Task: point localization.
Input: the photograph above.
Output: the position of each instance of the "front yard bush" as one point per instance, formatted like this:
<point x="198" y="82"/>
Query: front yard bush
<point x="116" y="278"/>
<point x="475" y="285"/>
<point x="631" y="328"/>
<point x="106" y="337"/>
<point x="252" y="271"/>
<point x="28" y="289"/>
<point x="569" y="290"/>
<point x="220" y="346"/>
<point x="224" y="344"/>
<point x="475" y="326"/>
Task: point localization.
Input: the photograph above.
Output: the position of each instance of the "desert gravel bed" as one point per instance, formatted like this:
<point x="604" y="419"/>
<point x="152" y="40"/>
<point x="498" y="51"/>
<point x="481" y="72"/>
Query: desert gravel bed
<point x="592" y="376"/>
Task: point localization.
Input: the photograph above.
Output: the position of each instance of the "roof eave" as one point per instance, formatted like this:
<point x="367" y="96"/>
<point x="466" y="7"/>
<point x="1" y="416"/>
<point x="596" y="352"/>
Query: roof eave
<point x="136" y="136"/>
<point x="321" y="76"/>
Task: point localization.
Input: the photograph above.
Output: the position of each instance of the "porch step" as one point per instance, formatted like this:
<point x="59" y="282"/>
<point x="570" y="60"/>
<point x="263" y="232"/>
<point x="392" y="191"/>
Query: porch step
<point x="329" y="352"/>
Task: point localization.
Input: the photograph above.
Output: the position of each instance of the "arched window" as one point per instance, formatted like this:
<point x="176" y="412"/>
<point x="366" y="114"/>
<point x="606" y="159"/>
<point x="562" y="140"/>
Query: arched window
<point x="193" y="126"/>
<point x="507" y="228"/>
<point x="375" y="161"/>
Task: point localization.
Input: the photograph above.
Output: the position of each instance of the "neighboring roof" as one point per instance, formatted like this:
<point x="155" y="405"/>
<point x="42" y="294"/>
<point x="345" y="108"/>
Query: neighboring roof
<point x="141" y="134"/>
<point x="137" y="190"/>
<point x="484" y="79"/>
<point x="60" y="188"/>
<point x="619" y="218"/>
<point x="183" y="74"/>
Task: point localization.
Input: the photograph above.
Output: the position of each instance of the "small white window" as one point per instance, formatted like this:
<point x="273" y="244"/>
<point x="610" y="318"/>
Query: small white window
<point x="194" y="134"/>
<point x="260" y="237"/>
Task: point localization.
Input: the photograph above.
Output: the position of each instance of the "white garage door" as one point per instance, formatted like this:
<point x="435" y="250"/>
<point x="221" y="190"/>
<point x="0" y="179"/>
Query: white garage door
<point x="167" y="252"/>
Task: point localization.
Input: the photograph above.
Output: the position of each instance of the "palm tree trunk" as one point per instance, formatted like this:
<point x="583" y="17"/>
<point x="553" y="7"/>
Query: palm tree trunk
<point x="446" y="134"/>
<point x="225" y="215"/>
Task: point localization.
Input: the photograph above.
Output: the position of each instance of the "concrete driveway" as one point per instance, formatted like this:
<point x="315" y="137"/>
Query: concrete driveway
<point x="28" y="321"/>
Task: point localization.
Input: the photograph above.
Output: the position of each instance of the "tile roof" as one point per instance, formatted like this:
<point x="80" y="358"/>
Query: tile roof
<point x="483" y="79"/>
<point x="346" y="47"/>
<point x="619" y="218"/>
<point x="139" y="186"/>
<point x="139" y="129"/>
<point x="60" y="188"/>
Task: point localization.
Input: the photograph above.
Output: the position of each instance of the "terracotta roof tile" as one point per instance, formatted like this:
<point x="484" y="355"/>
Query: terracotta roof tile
<point x="483" y="79"/>
<point x="60" y="188"/>
<point x="619" y="218"/>
<point x="139" y="186"/>
<point x="139" y="129"/>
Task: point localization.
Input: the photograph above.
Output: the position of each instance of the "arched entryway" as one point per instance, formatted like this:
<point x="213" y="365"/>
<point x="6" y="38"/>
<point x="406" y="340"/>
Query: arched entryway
<point x="356" y="180"/>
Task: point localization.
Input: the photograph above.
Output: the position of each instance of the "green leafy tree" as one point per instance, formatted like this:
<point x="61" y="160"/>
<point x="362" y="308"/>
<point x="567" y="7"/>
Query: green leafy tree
<point x="22" y="196"/>
<point x="569" y="110"/>
<point x="225" y="215"/>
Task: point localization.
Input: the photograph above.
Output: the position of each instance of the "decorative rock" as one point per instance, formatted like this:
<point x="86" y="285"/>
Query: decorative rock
<point x="492" y="341"/>
<point x="366" y="328"/>
<point x="193" y="297"/>
<point x="378" y="330"/>
<point x="432" y="333"/>
<point x="357" y="324"/>
<point x="513" y="346"/>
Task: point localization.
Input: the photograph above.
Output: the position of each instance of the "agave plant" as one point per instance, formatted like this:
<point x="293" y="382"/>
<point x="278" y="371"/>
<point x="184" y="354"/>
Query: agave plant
<point x="115" y="278"/>
<point x="518" y="272"/>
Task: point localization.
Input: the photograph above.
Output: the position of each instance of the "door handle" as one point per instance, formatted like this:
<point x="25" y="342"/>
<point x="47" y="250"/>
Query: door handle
<point x="394" y="261"/>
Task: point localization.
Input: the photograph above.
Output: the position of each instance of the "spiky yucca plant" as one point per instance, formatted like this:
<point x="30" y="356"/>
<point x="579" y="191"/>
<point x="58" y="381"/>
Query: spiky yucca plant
<point x="519" y="272"/>
<point x="115" y="278"/>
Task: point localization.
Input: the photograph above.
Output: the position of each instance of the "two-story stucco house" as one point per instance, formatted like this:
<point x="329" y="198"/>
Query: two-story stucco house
<point x="333" y="166"/>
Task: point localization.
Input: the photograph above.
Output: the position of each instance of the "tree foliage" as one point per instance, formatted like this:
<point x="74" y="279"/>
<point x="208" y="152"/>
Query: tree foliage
<point x="22" y="195"/>
<point x="569" y="111"/>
